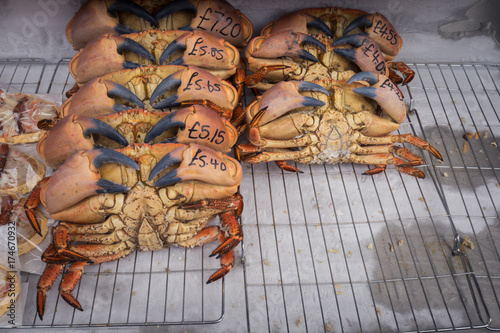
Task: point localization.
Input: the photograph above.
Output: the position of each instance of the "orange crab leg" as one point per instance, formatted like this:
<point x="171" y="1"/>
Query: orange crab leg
<point x="226" y="262"/>
<point x="69" y="281"/>
<point x="46" y="281"/>
<point x="33" y="202"/>
<point x="256" y="77"/>
<point x="408" y="73"/>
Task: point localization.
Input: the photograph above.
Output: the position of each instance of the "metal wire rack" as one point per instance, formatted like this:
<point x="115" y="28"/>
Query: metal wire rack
<point x="329" y="249"/>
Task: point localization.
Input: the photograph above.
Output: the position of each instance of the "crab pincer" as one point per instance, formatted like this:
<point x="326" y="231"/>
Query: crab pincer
<point x="79" y="177"/>
<point x="77" y="133"/>
<point x="99" y="97"/>
<point x="192" y="82"/>
<point x="196" y="162"/>
<point x="381" y="31"/>
<point x="384" y="92"/>
<point x="298" y="22"/>
<point x="197" y="124"/>
<point x="237" y="30"/>
<point x="365" y="53"/>
<point x="106" y="54"/>
<point x="285" y="97"/>
<point x="203" y="50"/>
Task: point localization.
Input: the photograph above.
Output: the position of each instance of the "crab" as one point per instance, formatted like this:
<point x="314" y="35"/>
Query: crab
<point x="144" y="197"/>
<point x="217" y="17"/>
<point x="195" y="124"/>
<point x="108" y="53"/>
<point x="19" y="115"/>
<point x="152" y="88"/>
<point x="332" y="121"/>
<point x="308" y="44"/>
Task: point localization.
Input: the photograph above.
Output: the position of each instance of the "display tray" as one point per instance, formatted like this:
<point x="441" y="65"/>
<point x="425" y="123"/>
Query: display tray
<point x="329" y="249"/>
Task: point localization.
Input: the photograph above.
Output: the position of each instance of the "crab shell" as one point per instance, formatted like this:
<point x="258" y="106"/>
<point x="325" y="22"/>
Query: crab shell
<point x="93" y="98"/>
<point x="109" y="52"/>
<point x="215" y="16"/>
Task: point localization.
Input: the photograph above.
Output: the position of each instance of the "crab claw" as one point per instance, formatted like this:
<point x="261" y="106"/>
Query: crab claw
<point x="76" y="132"/>
<point x="208" y="14"/>
<point x="384" y="92"/>
<point x="105" y="54"/>
<point x="381" y="31"/>
<point x="196" y="162"/>
<point x="298" y="22"/>
<point x="132" y="8"/>
<point x="197" y="124"/>
<point x="286" y="44"/>
<point x="97" y="17"/>
<point x="192" y="82"/>
<point x="366" y="54"/>
<point x="79" y="178"/>
<point x="284" y="96"/>
<point x="205" y="51"/>
<point x="97" y="97"/>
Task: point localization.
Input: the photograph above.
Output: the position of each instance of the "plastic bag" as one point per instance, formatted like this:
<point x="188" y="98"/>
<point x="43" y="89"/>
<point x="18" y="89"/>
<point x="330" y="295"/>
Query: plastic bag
<point x="21" y="114"/>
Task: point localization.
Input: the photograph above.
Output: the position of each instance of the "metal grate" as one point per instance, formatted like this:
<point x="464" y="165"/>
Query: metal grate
<point x="329" y="249"/>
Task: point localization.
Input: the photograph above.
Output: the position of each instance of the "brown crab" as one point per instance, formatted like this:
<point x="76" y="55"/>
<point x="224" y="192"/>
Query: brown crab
<point x="108" y="53"/>
<point x="218" y="17"/>
<point x="144" y="197"/>
<point x="310" y="43"/>
<point x="195" y="124"/>
<point x="152" y="88"/>
<point x="332" y="122"/>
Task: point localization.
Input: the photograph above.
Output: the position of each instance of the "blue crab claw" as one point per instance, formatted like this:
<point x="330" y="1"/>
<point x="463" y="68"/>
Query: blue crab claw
<point x="366" y="53"/>
<point x="174" y="7"/>
<point x="72" y="134"/>
<point x="316" y="23"/>
<point x="120" y="91"/>
<point x="286" y="44"/>
<point x="197" y="162"/>
<point x="132" y="46"/>
<point x="132" y="8"/>
<point x="284" y="97"/>
<point x="384" y="92"/>
<point x="196" y="124"/>
<point x="381" y="31"/>
<point x="168" y="83"/>
<point x="298" y="22"/>
<point x="79" y="178"/>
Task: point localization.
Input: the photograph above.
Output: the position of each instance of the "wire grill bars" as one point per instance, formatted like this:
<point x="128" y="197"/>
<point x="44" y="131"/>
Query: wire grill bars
<point x="329" y="249"/>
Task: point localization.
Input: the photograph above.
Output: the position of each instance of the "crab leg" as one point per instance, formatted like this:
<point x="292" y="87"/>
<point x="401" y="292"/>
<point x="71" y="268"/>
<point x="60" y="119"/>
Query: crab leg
<point x="208" y="235"/>
<point x="366" y="54"/>
<point x="190" y="83"/>
<point x="192" y="159"/>
<point x="33" y="202"/>
<point x="204" y="50"/>
<point x="401" y="138"/>
<point x="384" y="92"/>
<point x="45" y="282"/>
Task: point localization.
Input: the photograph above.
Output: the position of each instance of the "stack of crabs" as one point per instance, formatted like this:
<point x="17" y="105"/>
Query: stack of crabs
<point x="140" y="145"/>
<point x="331" y="92"/>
